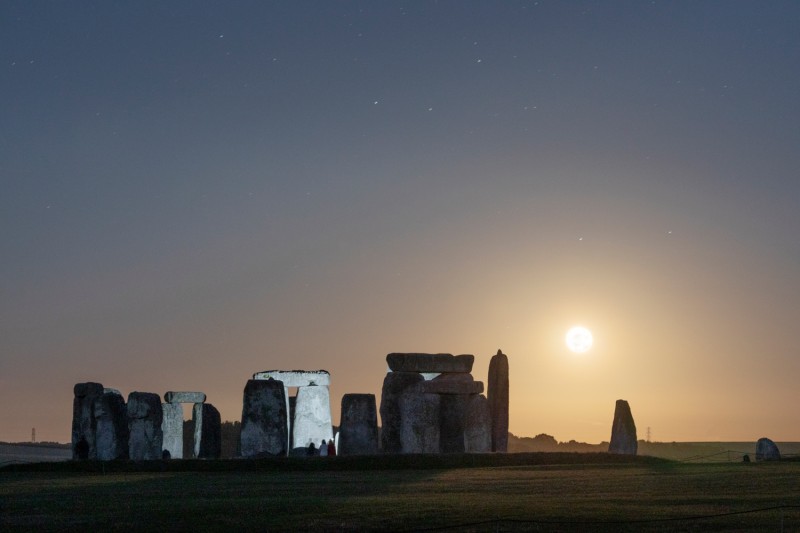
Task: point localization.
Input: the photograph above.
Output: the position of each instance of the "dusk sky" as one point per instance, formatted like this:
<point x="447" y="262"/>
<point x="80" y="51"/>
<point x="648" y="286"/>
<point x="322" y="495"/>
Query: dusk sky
<point x="196" y="191"/>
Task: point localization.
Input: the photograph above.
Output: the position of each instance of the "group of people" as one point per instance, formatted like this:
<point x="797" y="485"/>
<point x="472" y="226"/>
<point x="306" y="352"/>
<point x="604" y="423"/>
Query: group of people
<point x="325" y="449"/>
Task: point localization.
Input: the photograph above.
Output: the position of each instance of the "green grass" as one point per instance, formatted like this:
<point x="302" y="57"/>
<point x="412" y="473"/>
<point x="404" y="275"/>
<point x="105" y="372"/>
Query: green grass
<point x="529" y="492"/>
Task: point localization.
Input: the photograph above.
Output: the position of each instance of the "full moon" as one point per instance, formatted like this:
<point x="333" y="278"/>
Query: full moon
<point x="579" y="339"/>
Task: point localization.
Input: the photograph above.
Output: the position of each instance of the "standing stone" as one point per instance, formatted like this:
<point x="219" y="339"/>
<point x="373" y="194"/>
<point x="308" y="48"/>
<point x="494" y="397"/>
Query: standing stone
<point x="419" y="421"/>
<point x="766" y="450"/>
<point x="172" y="429"/>
<point x="623" y="431"/>
<point x="264" y="429"/>
<point x="358" y="430"/>
<point x="453" y="413"/>
<point x="394" y="384"/>
<point x="312" y="416"/>
<point x="111" y="417"/>
<point x="478" y="425"/>
<point x="498" y="401"/>
<point x="144" y="425"/>
<point x="84" y="423"/>
<point x="207" y="431"/>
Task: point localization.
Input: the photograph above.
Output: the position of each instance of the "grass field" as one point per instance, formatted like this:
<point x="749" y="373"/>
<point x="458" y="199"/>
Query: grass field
<point x="530" y="492"/>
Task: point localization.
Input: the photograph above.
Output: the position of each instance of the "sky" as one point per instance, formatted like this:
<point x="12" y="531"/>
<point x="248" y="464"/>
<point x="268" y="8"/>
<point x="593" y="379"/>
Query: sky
<point x="193" y="192"/>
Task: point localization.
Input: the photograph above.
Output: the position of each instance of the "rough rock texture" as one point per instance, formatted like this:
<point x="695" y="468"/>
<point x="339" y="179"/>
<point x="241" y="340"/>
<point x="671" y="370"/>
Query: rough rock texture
<point x="358" y="430"/>
<point x="144" y="426"/>
<point x="184" y="397"/>
<point x="297" y="378"/>
<point x="264" y="428"/>
<point x="430" y="362"/>
<point x="84" y="423"/>
<point x="453" y="384"/>
<point x="419" y="421"/>
<point x="766" y="450"/>
<point x="393" y="386"/>
<point x="498" y="401"/>
<point x="453" y="413"/>
<point x="478" y="425"/>
<point x="172" y="429"/>
<point x="623" y="431"/>
<point x="312" y="416"/>
<point x="207" y="431"/>
<point x="111" y="418"/>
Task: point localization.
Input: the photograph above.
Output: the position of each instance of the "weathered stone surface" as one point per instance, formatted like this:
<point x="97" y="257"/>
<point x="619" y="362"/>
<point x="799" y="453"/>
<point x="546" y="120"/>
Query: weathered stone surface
<point x="264" y="429"/>
<point x="84" y="424"/>
<point x="453" y="384"/>
<point x="144" y="426"/>
<point x="207" y="431"/>
<point x="358" y="429"/>
<point x="419" y="421"/>
<point x="111" y="416"/>
<point x="478" y="425"/>
<point x="623" y="431"/>
<point x="393" y="386"/>
<point x="498" y="401"/>
<point x="297" y="378"/>
<point x="430" y="362"/>
<point x="453" y="413"/>
<point x="312" y="416"/>
<point x="184" y="397"/>
<point x="172" y="429"/>
<point x="766" y="450"/>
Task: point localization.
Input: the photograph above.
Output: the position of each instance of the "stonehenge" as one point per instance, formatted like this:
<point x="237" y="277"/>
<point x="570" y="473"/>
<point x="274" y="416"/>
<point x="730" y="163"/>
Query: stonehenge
<point x="105" y="427"/>
<point x="430" y="403"/>
<point x="358" y="429"/>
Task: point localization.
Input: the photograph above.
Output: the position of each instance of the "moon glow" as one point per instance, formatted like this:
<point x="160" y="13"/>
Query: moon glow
<point x="579" y="339"/>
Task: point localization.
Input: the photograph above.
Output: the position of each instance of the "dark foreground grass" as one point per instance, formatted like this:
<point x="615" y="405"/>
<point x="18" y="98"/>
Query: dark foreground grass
<point x="530" y="492"/>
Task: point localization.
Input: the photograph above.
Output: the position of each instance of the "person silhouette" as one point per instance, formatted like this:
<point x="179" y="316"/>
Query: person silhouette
<point x="312" y="450"/>
<point x="331" y="448"/>
<point x="323" y="449"/>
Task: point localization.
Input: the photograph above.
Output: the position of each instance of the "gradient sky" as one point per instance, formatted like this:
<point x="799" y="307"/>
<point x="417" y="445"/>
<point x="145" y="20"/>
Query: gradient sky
<point x="196" y="191"/>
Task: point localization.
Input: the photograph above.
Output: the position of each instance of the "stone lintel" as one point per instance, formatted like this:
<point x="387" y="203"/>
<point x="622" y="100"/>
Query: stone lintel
<point x="430" y="362"/>
<point x="452" y="384"/>
<point x="297" y="378"/>
<point x="184" y="397"/>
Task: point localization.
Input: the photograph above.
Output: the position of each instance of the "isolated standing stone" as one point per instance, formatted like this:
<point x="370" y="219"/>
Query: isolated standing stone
<point x="172" y="429"/>
<point x="264" y="424"/>
<point x="144" y="425"/>
<point x="312" y="416"/>
<point x="419" y="421"/>
<point x="207" y="431"/>
<point x="623" y="431"/>
<point x="498" y="401"/>
<point x="84" y="424"/>
<point x="358" y="429"/>
<point x="111" y="418"/>
<point x="478" y="425"/>
<point x="766" y="450"/>
<point x="394" y="384"/>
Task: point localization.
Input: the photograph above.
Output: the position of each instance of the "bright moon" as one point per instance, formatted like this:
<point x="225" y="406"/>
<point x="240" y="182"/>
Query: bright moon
<point x="579" y="339"/>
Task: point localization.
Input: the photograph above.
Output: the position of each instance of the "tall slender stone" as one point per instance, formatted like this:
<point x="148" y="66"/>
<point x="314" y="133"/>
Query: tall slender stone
<point x="111" y="416"/>
<point x="394" y="384"/>
<point x="312" y="416"/>
<point x="478" y="425"/>
<point x="172" y="429"/>
<point x="498" y="401"/>
<point x="84" y="423"/>
<point x="623" y="431"/>
<point x="144" y="426"/>
<point x="358" y="429"/>
<point x="264" y="429"/>
<point x="207" y="431"/>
